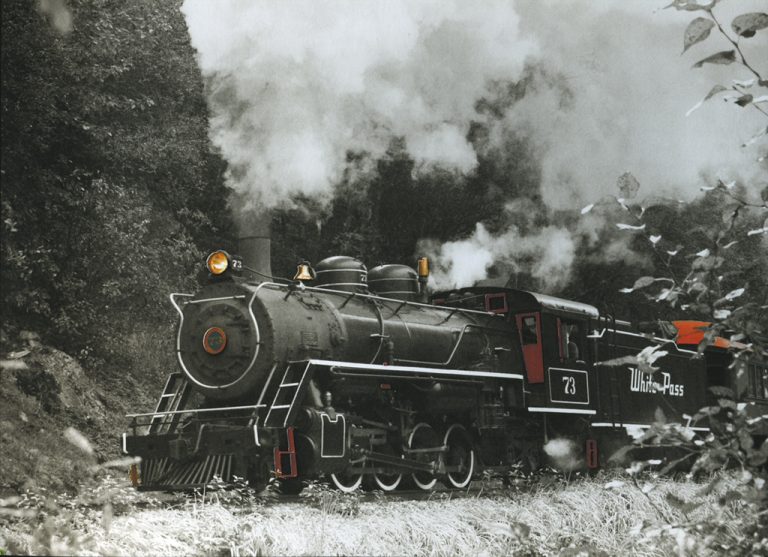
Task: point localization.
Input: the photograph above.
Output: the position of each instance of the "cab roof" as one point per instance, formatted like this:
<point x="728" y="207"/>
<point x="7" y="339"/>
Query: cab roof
<point x="520" y="300"/>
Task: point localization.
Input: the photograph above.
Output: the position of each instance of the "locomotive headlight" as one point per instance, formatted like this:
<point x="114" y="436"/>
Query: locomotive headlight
<point x="217" y="262"/>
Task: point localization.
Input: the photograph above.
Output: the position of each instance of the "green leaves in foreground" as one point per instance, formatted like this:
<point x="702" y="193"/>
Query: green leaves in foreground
<point x="697" y="31"/>
<point x="722" y="57"/>
<point x="746" y="25"/>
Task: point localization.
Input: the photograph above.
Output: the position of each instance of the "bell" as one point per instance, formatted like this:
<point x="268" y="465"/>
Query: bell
<point x="304" y="272"/>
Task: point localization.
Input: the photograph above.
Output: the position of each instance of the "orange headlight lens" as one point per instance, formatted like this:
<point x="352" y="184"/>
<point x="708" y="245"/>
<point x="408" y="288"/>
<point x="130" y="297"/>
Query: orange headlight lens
<point x="217" y="262"/>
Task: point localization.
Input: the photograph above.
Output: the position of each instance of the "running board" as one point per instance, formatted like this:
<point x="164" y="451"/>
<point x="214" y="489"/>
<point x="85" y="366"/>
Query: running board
<point x="414" y="371"/>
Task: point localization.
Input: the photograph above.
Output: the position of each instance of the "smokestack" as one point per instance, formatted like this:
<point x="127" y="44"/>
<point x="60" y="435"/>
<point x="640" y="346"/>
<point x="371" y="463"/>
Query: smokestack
<point x="254" y="240"/>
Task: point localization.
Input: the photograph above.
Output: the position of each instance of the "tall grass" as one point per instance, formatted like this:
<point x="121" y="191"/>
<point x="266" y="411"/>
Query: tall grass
<point x="582" y="517"/>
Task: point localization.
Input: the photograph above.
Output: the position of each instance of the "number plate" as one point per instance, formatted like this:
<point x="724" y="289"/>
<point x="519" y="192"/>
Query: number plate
<point x="569" y="386"/>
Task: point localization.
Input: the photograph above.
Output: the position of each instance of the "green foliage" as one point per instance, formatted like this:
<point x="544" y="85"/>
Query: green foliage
<point x="711" y="258"/>
<point x="729" y="444"/>
<point x="41" y="385"/>
<point x="110" y="193"/>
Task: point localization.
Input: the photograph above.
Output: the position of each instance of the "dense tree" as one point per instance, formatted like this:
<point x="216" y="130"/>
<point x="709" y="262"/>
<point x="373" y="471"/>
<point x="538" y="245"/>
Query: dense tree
<point x="110" y="190"/>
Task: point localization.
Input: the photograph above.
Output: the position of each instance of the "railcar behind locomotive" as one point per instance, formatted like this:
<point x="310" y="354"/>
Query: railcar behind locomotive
<point x="361" y="378"/>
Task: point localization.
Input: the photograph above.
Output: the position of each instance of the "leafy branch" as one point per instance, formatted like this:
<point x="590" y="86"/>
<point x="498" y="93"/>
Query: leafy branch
<point x="744" y="26"/>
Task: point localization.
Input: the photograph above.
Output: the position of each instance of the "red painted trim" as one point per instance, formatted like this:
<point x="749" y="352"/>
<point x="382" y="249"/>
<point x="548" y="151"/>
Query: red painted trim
<point x="532" y="353"/>
<point x="692" y="332"/>
<point x="560" y="340"/>
<point x="291" y="452"/>
<point x="593" y="457"/>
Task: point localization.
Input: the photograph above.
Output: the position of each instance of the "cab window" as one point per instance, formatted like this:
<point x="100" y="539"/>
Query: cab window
<point x="570" y="337"/>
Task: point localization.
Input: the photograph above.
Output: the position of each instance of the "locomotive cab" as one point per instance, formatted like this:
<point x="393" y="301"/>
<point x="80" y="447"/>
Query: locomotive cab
<point x="552" y="333"/>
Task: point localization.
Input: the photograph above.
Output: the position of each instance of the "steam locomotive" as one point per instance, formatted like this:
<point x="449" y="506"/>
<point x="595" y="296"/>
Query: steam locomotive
<point x="360" y="377"/>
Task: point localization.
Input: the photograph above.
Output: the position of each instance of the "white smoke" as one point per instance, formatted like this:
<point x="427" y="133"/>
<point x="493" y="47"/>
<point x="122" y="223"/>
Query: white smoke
<point x="564" y="453"/>
<point x="294" y="85"/>
<point x="629" y="91"/>
<point x="547" y="254"/>
<point x="611" y="94"/>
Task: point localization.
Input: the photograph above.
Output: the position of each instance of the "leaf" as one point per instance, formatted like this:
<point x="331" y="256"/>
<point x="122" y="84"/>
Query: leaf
<point x="703" y="253"/>
<point x="626" y="290"/>
<point x="616" y="362"/>
<point x="622" y="226"/>
<point x="697" y="31"/>
<point x="746" y="25"/>
<point x="731" y="495"/>
<point x="78" y="440"/>
<point x="671" y="465"/>
<point x="620" y="454"/>
<point x="746" y="83"/>
<point x="746" y="441"/>
<point x="642" y="282"/>
<point x="628" y="185"/>
<point x="721" y="313"/>
<point x="654" y="239"/>
<point x="650" y="354"/>
<point x="714" y="91"/>
<point x="587" y="209"/>
<point x="107" y="515"/>
<point x="680" y="504"/>
<point x="722" y="57"/>
<point x="733" y="294"/>
<point x="744" y="100"/>
<point x="691" y="5"/>
<point x="648" y="487"/>
<point x="763" y="230"/>
<point x="760" y="133"/>
<point x="710" y="487"/>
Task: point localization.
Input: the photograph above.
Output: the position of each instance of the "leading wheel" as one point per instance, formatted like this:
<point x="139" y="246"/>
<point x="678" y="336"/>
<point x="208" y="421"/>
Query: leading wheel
<point x="423" y="437"/>
<point x="460" y="458"/>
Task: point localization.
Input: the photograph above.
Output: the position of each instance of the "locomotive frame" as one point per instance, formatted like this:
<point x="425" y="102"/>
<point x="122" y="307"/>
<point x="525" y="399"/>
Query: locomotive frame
<point x="384" y="391"/>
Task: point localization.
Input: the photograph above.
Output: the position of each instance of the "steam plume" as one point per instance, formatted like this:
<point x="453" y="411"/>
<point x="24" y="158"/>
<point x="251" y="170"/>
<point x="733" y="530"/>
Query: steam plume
<point x="295" y="85"/>
<point x="610" y="93"/>
<point x="547" y="255"/>
<point x="564" y="454"/>
<point x="629" y="90"/>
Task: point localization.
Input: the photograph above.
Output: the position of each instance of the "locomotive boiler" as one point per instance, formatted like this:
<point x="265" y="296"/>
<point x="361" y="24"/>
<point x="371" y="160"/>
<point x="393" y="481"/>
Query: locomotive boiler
<point x="361" y="378"/>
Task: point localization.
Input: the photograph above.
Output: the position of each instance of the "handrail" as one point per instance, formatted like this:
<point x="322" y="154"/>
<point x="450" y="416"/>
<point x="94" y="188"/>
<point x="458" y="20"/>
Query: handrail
<point x="395" y="300"/>
<point x="455" y="347"/>
<point x="200" y="410"/>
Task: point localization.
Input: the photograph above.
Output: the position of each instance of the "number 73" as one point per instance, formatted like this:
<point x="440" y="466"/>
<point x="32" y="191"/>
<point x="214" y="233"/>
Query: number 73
<point x="569" y="386"/>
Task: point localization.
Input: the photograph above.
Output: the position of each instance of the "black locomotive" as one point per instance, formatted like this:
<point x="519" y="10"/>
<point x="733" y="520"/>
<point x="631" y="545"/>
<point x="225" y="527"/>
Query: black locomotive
<point x="360" y="377"/>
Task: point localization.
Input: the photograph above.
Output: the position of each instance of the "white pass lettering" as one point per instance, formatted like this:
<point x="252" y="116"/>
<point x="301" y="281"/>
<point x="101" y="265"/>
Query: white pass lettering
<point x="644" y="383"/>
